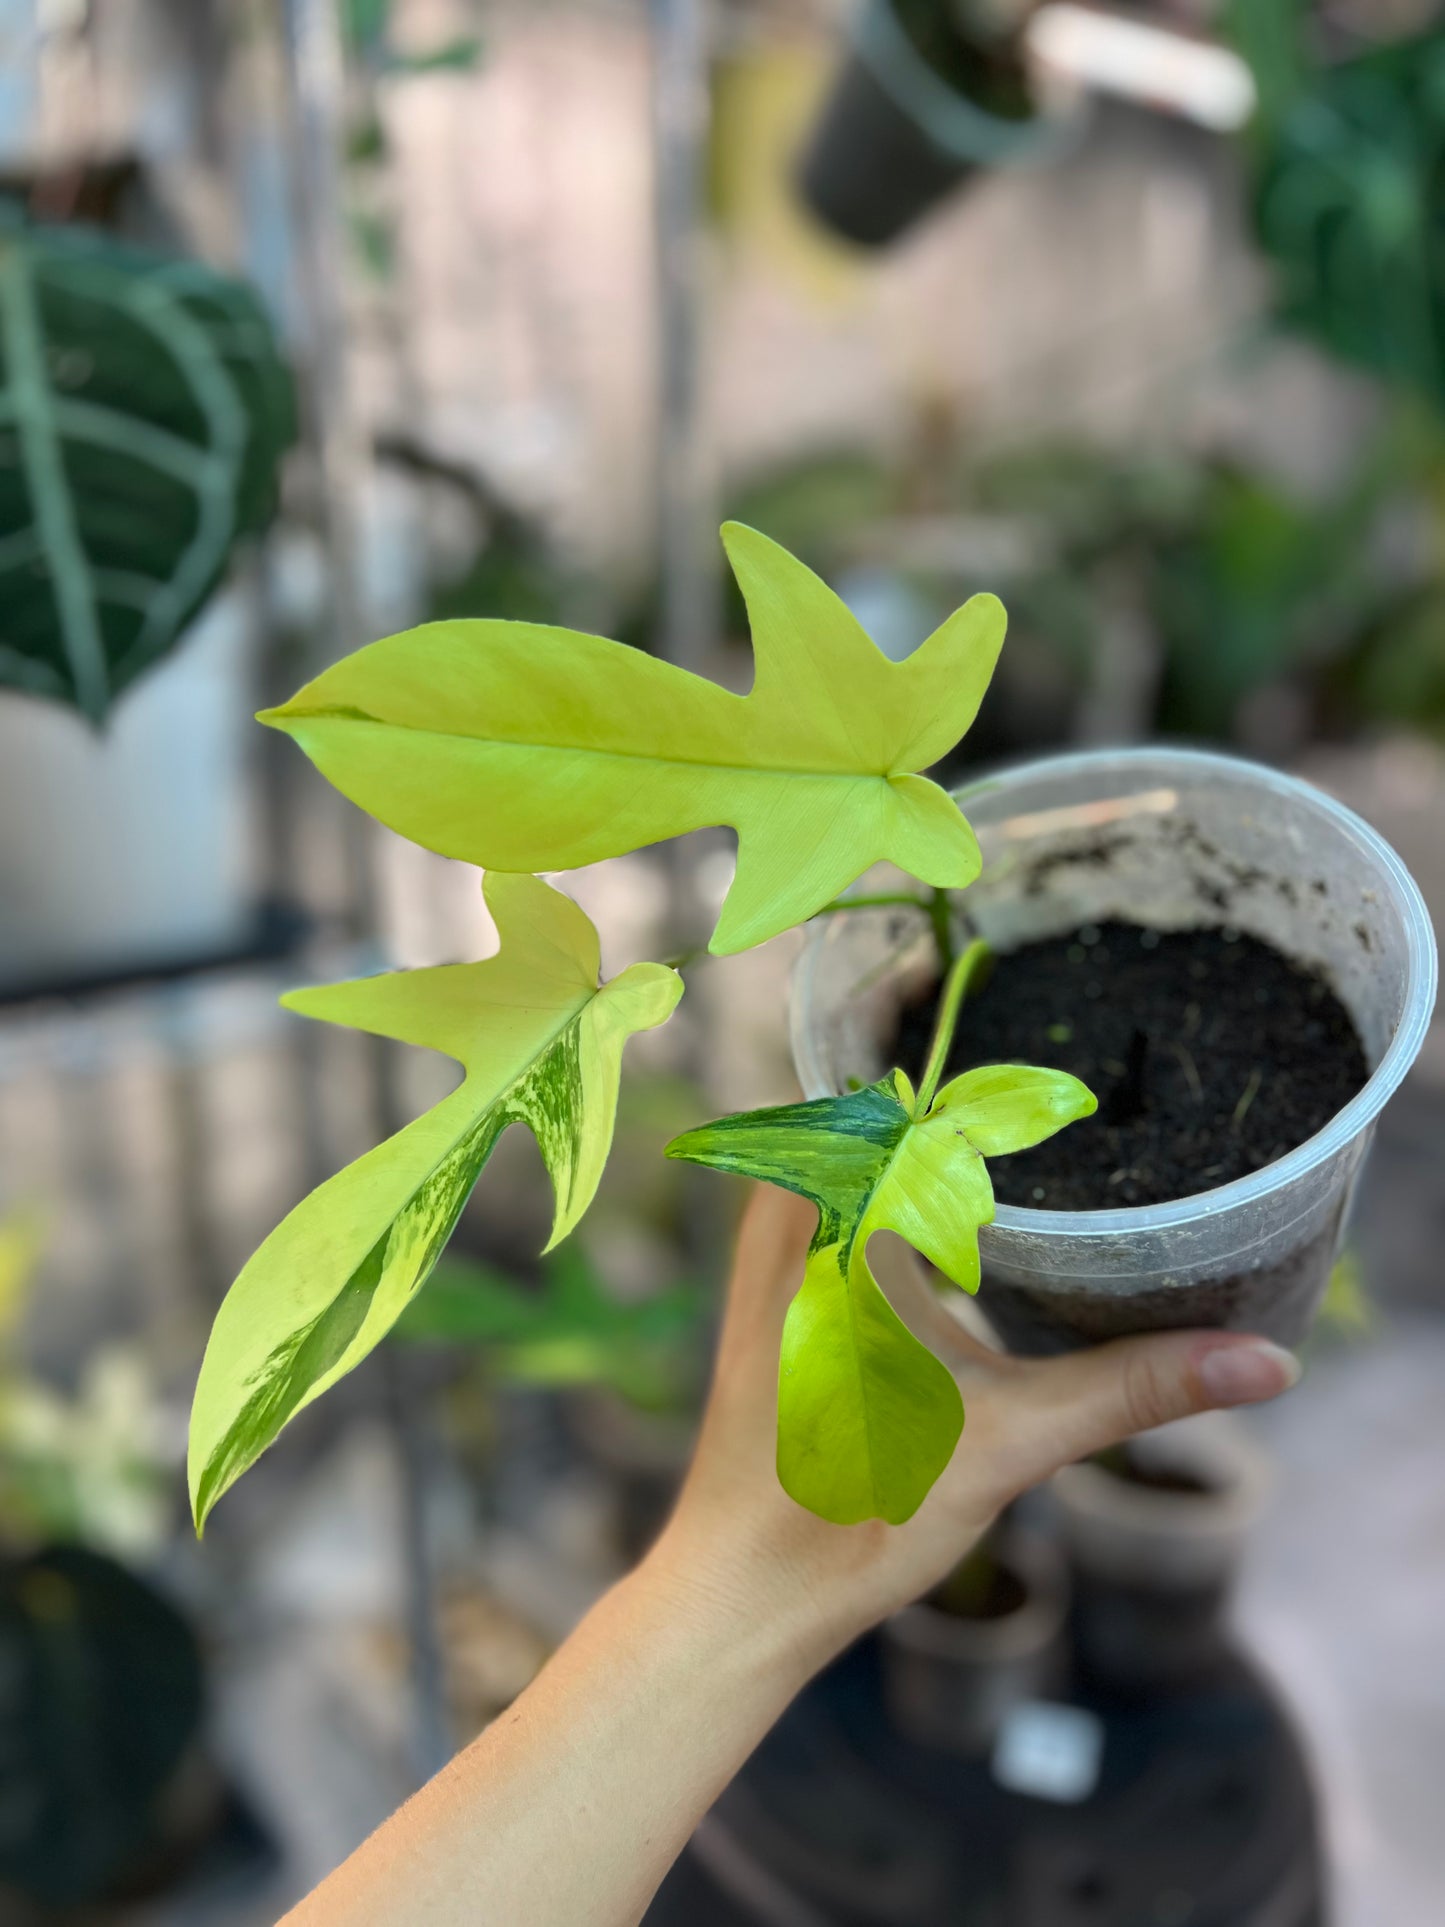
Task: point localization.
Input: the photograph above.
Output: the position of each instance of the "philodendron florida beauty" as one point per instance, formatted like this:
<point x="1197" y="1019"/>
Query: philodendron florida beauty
<point x="522" y="748"/>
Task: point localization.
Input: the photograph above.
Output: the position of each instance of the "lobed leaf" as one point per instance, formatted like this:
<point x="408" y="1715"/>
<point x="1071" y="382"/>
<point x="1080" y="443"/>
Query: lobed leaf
<point x="867" y="1417"/>
<point x="541" y="1044"/>
<point x="522" y="747"/>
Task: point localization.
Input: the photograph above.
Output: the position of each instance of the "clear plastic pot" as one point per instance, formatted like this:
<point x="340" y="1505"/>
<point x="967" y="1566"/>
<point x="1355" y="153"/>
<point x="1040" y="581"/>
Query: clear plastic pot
<point x="1171" y="839"/>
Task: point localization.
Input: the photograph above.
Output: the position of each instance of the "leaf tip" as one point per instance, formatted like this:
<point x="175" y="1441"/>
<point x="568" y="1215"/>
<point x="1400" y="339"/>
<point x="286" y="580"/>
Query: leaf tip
<point x="1081" y="1101"/>
<point x="202" y="1499"/>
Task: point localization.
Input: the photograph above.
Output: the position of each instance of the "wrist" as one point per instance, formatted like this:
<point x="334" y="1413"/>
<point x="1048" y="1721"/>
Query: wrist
<point x="745" y="1599"/>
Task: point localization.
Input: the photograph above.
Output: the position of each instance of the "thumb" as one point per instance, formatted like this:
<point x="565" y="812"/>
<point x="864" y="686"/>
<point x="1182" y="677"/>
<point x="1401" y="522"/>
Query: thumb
<point x="1092" y="1399"/>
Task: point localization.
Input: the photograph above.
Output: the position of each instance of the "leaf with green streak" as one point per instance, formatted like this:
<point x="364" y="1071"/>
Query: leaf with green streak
<point x="867" y="1416"/>
<point x="541" y="1044"/>
<point x="522" y="747"/>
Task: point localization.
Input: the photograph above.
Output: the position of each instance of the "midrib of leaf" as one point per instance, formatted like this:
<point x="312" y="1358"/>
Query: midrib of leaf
<point x="33" y="413"/>
<point x="351" y="713"/>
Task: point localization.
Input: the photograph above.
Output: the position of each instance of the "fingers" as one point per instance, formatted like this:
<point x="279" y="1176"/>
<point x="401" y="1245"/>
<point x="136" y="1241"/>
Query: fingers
<point x="1066" y="1408"/>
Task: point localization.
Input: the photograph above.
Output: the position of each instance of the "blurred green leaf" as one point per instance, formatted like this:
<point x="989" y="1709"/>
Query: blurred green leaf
<point x="367" y="144"/>
<point x="365" y="22"/>
<point x="1399" y="676"/>
<point x="1350" y="158"/>
<point x="1268" y="35"/>
<point x="570" y="1331"/>
<point x="144" y="410"/>
<point x="454" y="56"/>
<point x="374" y="242"/>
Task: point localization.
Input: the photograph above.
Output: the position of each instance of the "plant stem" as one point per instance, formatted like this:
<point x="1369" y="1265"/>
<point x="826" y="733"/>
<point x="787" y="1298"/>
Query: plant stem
<point x="955" y="987"/>
<point x="875" y="902"/>
<point x="680" y="962"/>
<point x="942" y="929"/>
<point x="934" y="907"/>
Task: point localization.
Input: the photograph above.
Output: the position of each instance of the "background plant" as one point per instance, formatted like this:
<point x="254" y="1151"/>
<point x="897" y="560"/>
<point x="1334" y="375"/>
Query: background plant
<point x="144" y="411"/>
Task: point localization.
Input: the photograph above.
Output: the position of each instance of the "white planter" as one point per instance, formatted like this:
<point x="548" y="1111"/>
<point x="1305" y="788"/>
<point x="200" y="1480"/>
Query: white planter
<point x="131" y="848"/>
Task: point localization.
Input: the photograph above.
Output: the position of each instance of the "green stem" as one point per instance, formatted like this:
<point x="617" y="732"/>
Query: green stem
<point x="680" y="962"/>
<point x="942" y="921"/>
<point x="955" y="986"/>
<point x="888" y="897"/>
<point x="934" y="907"/>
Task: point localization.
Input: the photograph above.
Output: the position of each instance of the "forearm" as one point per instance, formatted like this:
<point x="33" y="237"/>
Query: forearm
<point x="570" y="1808"/>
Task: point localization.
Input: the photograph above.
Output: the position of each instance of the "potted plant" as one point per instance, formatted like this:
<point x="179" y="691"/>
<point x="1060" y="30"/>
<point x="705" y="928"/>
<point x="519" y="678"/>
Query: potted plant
<point x="148" y="411"/>
<point x="1155" y="1531"/>
<point x="988" y="1638"/>
<point x="525" y="748"/>
<point x="1140" y="893"/>
<point x="108" y="1791"/>
<point x="929" y="92"/>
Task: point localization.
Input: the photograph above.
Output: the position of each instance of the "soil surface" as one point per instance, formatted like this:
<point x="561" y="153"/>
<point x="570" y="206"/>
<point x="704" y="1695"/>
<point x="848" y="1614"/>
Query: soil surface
<point x="1210" y="1053"/>
<point x="1127" y="1466"/>
<point x="980" y="1589"/>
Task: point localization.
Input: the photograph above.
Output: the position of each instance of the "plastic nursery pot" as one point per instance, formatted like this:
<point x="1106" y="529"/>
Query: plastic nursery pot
<point x="951" y="1676"/>
<point x="1155" y="1533"/>
<point x="894" y="136"/>
<point x="1170" y="839"/>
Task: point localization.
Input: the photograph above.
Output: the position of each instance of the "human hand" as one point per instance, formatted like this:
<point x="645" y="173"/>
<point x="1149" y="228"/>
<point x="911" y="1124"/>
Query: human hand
<point x="737" y="1537"/>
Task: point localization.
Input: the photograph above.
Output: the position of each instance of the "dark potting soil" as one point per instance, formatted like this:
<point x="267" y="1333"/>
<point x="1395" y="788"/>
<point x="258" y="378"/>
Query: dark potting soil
<point x="1211" y="1055"/>
<point x="982" y="1587"/>
<point x="1126" y="1465"/>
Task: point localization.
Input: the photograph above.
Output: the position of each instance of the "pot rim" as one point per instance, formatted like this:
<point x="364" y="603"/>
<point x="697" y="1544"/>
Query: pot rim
<point x="957" y="126"/>
<point x="1345" y="1125"/>
<point x="923" y="1628"/>
<point x="1094" y="1496"/>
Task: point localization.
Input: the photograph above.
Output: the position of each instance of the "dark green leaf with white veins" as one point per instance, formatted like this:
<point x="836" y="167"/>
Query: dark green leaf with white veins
<point x="867" y="1416"/>
<point x="144" y="410"/>
<point x="541" y="1044"/>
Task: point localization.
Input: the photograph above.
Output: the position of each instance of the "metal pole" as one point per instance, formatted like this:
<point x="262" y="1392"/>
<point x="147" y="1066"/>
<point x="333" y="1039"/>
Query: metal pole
<point x="686" y="537"/>
<point x="316" y="82"/>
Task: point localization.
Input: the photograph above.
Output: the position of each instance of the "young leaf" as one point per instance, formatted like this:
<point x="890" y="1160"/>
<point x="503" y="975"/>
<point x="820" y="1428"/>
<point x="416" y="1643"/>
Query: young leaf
<point x="541" y="1044"/>
<point x="867" y="1416"/>
<point x="521" y="747"/>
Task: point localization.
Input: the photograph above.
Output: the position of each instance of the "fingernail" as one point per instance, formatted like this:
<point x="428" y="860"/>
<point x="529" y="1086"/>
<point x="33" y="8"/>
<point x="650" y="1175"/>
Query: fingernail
<point x="1243" y="1374"/>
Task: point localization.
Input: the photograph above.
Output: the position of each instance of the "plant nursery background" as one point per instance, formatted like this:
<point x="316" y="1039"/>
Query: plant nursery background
<point x="323" y="318"/>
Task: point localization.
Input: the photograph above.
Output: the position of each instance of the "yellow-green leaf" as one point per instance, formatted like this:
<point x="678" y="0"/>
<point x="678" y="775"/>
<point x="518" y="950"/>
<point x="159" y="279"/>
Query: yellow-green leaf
<point x="523" y="748"/>
<point x="541" y="1044"/>
<point x="867" y="1416"/>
